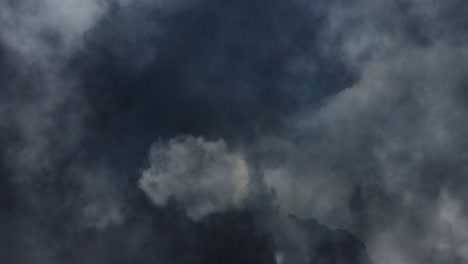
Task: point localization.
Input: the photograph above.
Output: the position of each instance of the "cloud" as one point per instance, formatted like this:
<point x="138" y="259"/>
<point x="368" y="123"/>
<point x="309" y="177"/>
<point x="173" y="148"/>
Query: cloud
<point x="43" y="30"/>
<point x="394" y="141"/>
<point x="43" y="105"/>
<point x="204" y="176"/>
<point x="381" y="157"/>
<point x="88" y="85"/>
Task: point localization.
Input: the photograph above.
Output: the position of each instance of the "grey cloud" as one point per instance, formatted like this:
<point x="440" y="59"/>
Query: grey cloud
<point x="380" y="157"/>
<point x="99" y="201"/>
<point x="43" y="112"/>
<point x="43" y="107"/>
<point x="384" y="158"/>
<point x="203" y="176"/>
<point x="41" y="30"/>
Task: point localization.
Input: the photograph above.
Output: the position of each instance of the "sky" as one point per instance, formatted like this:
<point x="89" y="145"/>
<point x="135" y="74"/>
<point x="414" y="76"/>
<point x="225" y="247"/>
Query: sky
<point x="233" y="131"/>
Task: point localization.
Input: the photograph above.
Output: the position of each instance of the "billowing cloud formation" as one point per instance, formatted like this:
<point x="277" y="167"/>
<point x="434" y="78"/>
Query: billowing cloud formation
<point x="352" y="112"/>
<point x="205" y="177"/>
<point x="389" y="148"/>
<point x="386" y="157"/>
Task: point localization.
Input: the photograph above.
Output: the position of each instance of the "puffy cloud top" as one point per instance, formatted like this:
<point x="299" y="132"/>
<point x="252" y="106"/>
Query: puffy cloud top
<point x="204" y="176"/>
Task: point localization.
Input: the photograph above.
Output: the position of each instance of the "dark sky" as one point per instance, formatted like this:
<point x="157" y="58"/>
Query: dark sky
<point x="233" y="131"/>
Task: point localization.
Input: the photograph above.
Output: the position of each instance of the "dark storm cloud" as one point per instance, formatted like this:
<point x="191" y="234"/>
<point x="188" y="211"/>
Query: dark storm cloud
<point x="230" y="69"/>
<point x="222" y="68"/>
<point x="386" y="157"/>
<point x="399" y="145"/>
<point x="42" y="112"/>
<point x="87" y="86"/>
<point x="347" y="111"/>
